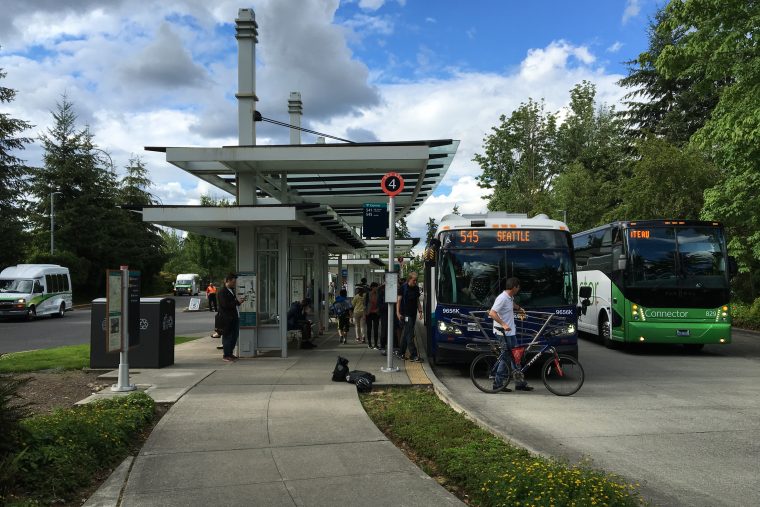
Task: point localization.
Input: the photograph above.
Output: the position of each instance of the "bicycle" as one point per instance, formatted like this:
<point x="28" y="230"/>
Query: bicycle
<point x="562" y="375"/>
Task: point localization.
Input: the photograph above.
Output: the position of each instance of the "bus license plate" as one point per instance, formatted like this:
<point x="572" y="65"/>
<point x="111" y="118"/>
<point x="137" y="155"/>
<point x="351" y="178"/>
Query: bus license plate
<point x="472" y="327"/>
<point x="682" y="332"/>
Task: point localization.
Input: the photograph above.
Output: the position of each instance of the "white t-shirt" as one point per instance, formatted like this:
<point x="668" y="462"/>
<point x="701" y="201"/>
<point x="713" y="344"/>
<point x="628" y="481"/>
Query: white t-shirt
<point x="504" y="306"/>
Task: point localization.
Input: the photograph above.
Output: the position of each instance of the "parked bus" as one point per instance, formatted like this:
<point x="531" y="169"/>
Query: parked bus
<point x="31" y="290"/>
<point x="472" y="255"/>
<point x="655" y="281"/>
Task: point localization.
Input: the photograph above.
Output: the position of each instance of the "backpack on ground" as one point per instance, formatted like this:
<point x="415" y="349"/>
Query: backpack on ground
<point x="362" y="379"/>
<point x="341" y="370"/>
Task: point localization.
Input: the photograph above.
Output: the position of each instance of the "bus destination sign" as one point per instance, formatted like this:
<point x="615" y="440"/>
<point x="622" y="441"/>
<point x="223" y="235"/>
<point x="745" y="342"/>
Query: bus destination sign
<point x="509" y="238"/>
<point x="639" y="233"/>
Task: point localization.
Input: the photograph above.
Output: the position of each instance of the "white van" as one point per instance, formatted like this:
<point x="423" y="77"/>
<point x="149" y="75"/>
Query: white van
<point x="32" y="290"/>
<point x="187" y="283"/>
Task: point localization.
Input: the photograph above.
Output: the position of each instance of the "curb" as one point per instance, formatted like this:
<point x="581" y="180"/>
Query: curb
<point x="109" y="493"/>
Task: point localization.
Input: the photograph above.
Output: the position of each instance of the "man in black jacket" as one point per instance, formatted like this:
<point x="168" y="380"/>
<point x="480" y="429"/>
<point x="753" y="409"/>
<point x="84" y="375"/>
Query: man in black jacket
<point x="229" y="317"/>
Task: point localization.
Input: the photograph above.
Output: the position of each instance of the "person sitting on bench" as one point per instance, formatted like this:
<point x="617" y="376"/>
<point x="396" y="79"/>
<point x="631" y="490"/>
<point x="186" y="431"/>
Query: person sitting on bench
<point x="298" y="321"/>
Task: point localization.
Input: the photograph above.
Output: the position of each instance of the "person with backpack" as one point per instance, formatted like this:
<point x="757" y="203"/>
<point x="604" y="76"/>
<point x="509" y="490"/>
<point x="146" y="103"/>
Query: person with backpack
<point x="372" y="307"/>
<point x="342" y="309"/>
<point x="408" y="307"/>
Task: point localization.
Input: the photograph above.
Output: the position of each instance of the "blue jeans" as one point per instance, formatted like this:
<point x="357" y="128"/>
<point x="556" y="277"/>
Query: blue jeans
<point x="507" y="342"/>
<point x="407" y="339"/>
<point x="230" y="337"/>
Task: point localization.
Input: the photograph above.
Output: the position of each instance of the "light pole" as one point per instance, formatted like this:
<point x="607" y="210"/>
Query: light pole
<point x="564" y="215"/>
<point x="52" y="221"/>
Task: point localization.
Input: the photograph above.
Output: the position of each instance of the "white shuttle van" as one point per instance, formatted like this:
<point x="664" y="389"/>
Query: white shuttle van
<point x="32" y="290"/>
<point x="187" y="283"/>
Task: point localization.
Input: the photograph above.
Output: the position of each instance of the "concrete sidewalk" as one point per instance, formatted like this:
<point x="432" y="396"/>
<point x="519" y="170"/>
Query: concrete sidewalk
<point x="272" y="431"/>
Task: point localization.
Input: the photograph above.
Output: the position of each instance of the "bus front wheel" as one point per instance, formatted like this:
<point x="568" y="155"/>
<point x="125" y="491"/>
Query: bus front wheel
<point x="605" y="333"/>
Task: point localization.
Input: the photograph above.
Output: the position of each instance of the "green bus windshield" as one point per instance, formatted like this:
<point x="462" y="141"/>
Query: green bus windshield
<point x="682" y="266"/>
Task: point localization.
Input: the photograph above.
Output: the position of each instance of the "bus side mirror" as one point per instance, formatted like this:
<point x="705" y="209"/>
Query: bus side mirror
<point x="622" y="263"/>
<point x="585" y="292"/>
<point x="733" y="267"/>
<point x="584" y="304"/>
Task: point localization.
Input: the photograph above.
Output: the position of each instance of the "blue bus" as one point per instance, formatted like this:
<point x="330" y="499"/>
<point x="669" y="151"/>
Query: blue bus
<point x="471" y="255"/>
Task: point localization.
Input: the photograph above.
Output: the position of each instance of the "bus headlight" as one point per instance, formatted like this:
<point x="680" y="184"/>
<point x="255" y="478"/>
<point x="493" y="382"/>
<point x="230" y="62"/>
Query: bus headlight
<point x="570" y="329"/>
<point x="21" y="300"/>
<point x="447" y="328"/>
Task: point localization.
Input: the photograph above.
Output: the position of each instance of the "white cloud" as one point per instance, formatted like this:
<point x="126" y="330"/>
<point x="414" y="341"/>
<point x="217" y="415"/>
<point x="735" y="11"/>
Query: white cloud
<point x="632" y="9"/>
<point x="464" y="193"/>
<point x="371" y="5"/>
<point x="615" y="47"/>
<point x="101" y="65"/>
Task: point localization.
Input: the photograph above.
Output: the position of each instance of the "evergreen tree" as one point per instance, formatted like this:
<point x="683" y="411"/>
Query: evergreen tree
<point x="13" y="172"/>
<point x="141" y="247"/>
<point x="432" y="229"/>
<point x="455" y="209"/>
<point x="86" y="218"/>
<point x="667" y="106"/>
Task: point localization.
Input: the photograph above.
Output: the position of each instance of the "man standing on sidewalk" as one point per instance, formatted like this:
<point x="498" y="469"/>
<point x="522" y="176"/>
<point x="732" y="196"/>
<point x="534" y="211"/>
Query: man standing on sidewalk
<point x="211" y="296"/>
<point x="503" y="314"/>
<point x="408" y="307"/>
<point x="229" y="317"/>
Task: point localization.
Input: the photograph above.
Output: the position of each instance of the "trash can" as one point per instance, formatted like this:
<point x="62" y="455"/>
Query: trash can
<point x="156" y="344"/>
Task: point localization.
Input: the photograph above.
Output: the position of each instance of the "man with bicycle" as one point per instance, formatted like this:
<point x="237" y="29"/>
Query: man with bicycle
<point x="503" y="314"/>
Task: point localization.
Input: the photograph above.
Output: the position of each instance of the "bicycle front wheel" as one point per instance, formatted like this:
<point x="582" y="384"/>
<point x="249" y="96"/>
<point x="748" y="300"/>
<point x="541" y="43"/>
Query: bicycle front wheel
<point x="483" y="373"/>
<point x="562" y="375"/>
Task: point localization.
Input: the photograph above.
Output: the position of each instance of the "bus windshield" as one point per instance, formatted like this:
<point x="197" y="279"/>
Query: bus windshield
<point x="18" y="286"/>
<point x="470" y="277"/>
<point x="676" y="257"/>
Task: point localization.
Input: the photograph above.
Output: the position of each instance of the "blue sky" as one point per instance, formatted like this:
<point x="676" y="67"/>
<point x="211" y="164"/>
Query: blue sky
<point x="165" y="73"/>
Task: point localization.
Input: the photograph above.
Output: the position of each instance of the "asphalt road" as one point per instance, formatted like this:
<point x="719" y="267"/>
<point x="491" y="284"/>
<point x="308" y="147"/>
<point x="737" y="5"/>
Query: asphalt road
<point x="684" y="426"/>
<point x="74" y="328"/>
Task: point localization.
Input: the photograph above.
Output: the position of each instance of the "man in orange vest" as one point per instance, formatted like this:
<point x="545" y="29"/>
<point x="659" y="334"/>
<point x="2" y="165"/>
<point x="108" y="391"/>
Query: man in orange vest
<point x="211" y="296"/>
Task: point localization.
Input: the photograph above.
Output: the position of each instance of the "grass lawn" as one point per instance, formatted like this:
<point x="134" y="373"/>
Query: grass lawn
<point x="480" y="467"/>
<point x="71" y="357"/>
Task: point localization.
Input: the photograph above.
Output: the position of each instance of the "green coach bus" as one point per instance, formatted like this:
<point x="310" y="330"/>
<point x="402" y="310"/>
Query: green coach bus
<point x="655" y="281"/>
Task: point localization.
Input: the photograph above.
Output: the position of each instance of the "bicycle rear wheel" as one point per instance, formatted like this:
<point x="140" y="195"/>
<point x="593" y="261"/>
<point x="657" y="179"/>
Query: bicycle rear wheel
<point x="562" y="375"/>
<point x="483" y="373"/>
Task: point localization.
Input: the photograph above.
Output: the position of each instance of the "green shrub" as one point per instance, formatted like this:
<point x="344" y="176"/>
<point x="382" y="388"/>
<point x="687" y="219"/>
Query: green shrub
<point x="489" y="470"/>
<point x="67" y="448"/>
<point x="12" y="411"/>
<point x="746" y="316"/>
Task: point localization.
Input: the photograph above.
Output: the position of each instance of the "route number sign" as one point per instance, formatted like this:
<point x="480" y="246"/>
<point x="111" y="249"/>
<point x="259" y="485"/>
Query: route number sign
<point x="392" y="184"/>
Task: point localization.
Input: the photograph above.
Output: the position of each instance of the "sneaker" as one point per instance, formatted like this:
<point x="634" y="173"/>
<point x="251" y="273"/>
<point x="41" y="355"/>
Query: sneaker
<point x="417" y="360"/>
<point x="523" y="388"/>
<point x="228" y="359"/>
<point x="397" y="355"/>
<point x="219" y="347"/>
<point x="503" y="388"/>
<point x="234" y="357"/>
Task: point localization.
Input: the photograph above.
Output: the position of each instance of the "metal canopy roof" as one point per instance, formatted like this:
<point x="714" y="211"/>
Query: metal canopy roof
<point x="221" y="221"/>
<point x="340" y="176"/>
